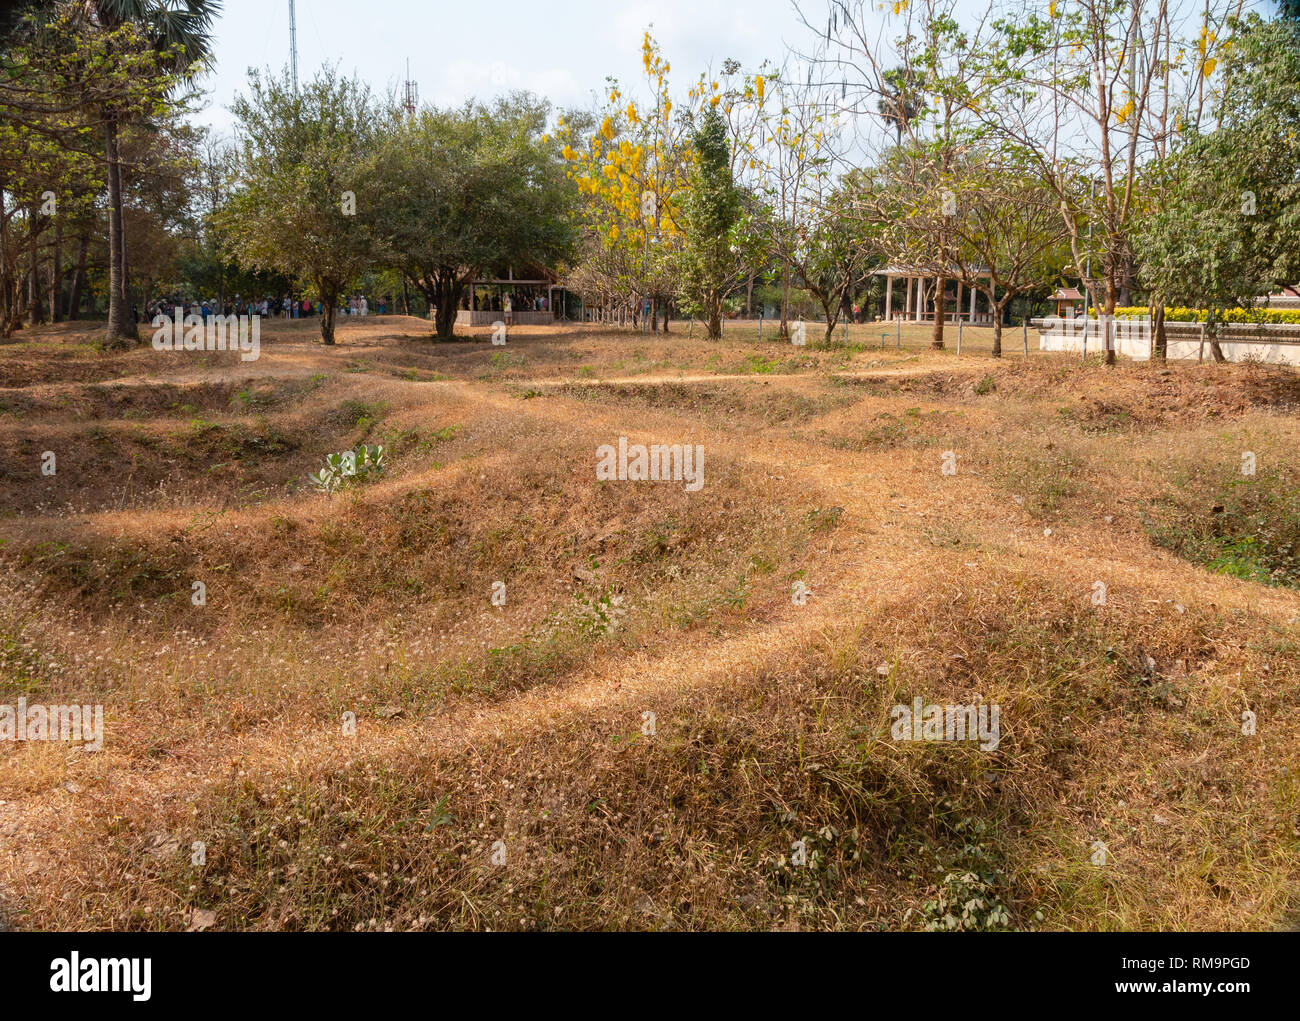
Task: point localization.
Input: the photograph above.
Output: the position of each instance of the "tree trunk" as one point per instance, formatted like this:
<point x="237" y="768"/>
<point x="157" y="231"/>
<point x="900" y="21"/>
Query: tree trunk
<point x="34" y="310"/>
<point x="997" y="327"/>
<point x="329" y="296"/>
<point x="78" y="279"/>
<point x="430" y="293"/>
<point x="784" y="332"/>
<point x="1212" y="335"/>
<point x="713" y="304"/>
<point x="56" y="274"/>
<point x="9" y="317"/>
<point x="449" y="290"/>
<point x="8" y="299"/>
<point x="120" y="327"/>
<point x="1111" y="295"/>
<point x="665" y="317"/>
<point x="1161" y="338"/>
<point x="827" y="304"/>
<point x="940" y="311"/>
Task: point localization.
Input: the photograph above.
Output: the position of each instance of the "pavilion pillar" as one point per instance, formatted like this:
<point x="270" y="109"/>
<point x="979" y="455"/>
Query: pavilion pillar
<point x="920" y="297"/>
<point x="889" y="298"/>
<point x="972" y="304"/>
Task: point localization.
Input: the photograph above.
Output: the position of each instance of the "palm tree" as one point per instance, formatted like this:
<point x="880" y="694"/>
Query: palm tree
<point x="180" y="31"/>
<point x="899" y="101"/>
<point x="12" y="15"/>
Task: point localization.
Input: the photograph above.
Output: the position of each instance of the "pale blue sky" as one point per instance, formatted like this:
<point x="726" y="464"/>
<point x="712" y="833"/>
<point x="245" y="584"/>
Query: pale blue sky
<point x="561" y="49"/>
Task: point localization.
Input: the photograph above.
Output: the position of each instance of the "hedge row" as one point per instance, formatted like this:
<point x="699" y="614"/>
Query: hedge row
<point x="1280" y="316"/>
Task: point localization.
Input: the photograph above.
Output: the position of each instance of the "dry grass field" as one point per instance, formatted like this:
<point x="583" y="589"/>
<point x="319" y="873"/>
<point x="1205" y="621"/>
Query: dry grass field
<point x="504" y="772"/>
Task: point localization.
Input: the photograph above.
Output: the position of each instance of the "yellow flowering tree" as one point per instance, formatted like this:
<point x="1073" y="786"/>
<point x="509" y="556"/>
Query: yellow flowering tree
<point x="632" y="165"/>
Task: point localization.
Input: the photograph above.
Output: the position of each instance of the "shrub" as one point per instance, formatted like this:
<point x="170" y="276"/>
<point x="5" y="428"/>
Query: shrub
<point x="1252" y="530"/>
<point x="350" y="466"/>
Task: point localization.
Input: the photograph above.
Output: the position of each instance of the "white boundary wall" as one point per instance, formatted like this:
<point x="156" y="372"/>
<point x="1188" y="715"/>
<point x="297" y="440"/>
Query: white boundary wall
<point x="1276" y="344"/>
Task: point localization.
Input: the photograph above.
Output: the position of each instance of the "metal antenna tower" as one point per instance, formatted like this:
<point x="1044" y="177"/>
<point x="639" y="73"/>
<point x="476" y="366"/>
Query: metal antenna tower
<point x="410" y="92"/>
<point x="293" y="46"/>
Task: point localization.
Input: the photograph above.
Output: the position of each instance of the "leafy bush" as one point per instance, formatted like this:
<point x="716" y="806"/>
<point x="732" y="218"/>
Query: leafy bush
<point x="969" y="897"/>
<point x="350" y="466"/>
<point x="600" y="614"/>
<point x="1251" y="529"/>
<point x="966" y="902"/>
<point x="361" y="413"/>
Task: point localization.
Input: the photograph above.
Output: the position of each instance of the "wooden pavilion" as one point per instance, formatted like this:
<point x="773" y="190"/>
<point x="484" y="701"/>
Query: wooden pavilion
<point x="919" y="304"/>
<point x="486" y="299"/>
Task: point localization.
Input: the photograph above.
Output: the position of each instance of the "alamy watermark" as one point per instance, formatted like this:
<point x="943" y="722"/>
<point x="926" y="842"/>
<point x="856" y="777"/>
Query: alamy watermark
<point x="218" y="333"/>
<point x="1104" y="332"/>
<point x="920" y="722"/>
<point x="657" y="462"/>
<point x="73" y="974"/>
<point x="84" y="723"/>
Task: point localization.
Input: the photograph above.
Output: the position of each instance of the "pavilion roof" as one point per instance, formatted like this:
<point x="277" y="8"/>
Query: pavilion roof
<point x="911" y="271"/>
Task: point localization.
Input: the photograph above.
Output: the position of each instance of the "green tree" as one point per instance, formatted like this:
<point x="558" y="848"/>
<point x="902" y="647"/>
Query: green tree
<point x="711" y="216"/>
<point x="178" y="34"/>
<point x="48" y="67"/>
<point x="455" y="194"/>
<point x="840" y="252"/>
<point x="901" y="101"/>
<point x="1008" y="236"/>
<point x="1221" y="222"/>
<point x="301" y="165"/>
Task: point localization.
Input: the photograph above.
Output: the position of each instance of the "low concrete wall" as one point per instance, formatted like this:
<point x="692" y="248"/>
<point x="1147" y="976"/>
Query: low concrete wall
<point x="1240" y="342"/>
<point x="481" y="317"/>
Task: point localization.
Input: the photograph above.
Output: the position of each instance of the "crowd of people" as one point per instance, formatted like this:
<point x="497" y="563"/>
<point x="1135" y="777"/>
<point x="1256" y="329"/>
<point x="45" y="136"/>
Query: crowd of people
<point x="527" y="299"/>
<point x="275" y="307"/>
<point x="288" y="307"/>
